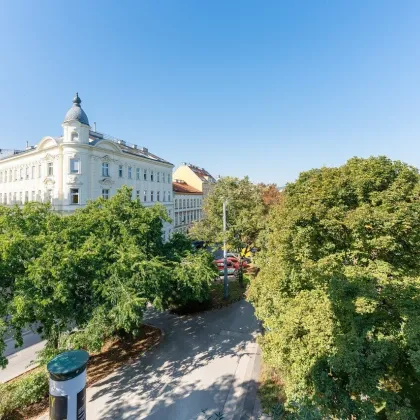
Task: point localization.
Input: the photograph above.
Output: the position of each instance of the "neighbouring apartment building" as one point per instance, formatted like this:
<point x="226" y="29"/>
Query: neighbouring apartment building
<point x="190" y="187"/>
<point x="187" y="205"/>
<point x="82" y="165"/>
<point x="195" y="176"/>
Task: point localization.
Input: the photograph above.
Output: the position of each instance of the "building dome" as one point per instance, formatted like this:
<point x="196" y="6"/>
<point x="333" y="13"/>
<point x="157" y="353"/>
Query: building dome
<point x="76" y="113"/>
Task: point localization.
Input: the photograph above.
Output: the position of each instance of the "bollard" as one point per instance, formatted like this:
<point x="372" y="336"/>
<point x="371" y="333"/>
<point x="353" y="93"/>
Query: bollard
<point x="68" y="385"/>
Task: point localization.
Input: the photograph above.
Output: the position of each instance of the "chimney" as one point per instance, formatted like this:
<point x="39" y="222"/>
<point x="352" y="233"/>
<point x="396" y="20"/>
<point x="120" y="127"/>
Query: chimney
<point x="145" y="149"/>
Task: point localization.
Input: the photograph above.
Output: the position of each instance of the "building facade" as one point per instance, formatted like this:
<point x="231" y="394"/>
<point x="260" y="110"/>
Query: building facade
<point x="187" y="206"/>
<point x="196" y="177"/>
<point x="83" y="165"/>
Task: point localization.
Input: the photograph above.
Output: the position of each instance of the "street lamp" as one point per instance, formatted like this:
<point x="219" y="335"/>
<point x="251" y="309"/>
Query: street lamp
<point x="225" y="272"/>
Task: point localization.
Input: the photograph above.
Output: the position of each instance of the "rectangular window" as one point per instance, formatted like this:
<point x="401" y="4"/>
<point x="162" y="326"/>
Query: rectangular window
<point x="1" y="198"/>
<point x="151" y="175"/>
<point x="129" y="172"/>
<point x="169" y="196"/>
<point x="137" y="173"/>
<point x="105" y="194"/>
<point x="33" y="196"/>
<point x="48" y="196"/>
<point x="27" y="172"/>
<point x="21" y="173"/>
<point x="1" y="177"/>
<point x="50" y="169"/>
<point x="120" y="171"/>
<point x="145" y="196"/>
<point x="169" y="178"/>
<point x="33" y="172"/>
<point x="138" y="194"/>
<point x="105" y="169"/>
<point x="21" y="197"/>
<point x="39" y="171"/>
<point x="158" y="196"/>
<point x="74" y="196"/>
<point x="39" y="195"/>
<point x="26" y="196"/>
<point x="158" y="177"/>
<point x="164" y="195"/>
<point x="74" y="166"/>
<point x="151" y="196"/>
<point x="145" y="175"/>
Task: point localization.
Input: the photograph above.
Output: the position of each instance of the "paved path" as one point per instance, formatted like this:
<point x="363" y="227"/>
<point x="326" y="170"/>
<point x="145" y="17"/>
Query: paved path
<point x="20" y="358"/>
<point x="206" y="361"/>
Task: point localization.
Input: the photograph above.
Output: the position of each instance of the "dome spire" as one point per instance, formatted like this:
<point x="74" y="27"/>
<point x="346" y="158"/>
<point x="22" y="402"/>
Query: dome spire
<point x="76" y="113"/>
<point x="76" y="100"/>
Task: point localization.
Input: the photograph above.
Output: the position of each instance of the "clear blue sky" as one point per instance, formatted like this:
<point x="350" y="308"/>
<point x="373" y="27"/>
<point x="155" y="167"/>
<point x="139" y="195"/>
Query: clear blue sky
<point x="260" y="88"/>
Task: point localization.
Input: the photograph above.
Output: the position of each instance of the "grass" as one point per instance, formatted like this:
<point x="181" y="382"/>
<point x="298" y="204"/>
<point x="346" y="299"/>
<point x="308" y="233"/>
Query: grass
<point x="270" y="392"/>
<point x="115" y="353"/>
<point x="216" y="299"/>
<point x="236" y="292"/>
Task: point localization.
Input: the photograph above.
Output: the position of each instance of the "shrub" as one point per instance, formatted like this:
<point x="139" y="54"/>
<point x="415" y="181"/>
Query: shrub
<point x="23" y="391"/>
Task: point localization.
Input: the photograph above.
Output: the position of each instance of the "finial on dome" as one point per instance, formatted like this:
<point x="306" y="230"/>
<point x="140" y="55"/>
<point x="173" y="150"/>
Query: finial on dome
<point x="77" y="100"/>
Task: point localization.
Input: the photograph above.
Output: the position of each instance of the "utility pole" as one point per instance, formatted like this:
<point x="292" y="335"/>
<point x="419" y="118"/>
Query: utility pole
<point x="225" y="273"/>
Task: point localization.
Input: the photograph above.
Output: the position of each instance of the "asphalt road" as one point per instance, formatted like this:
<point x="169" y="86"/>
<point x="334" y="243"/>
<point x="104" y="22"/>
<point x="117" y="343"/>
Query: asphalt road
<point x="205" y="361"/>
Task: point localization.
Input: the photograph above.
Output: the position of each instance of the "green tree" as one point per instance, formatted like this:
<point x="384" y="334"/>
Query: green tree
<point x="94" y="270"/>
<point x="245" y="216"/>
<point x="22" y="238"/>
<point x="339" y="287"/>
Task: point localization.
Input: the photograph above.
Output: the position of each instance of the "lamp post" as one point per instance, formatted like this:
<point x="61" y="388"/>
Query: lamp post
<point x="225" y="273"/>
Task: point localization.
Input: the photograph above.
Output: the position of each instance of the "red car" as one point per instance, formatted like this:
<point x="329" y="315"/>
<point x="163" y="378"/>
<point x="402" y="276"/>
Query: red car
<point x="231" y="270"/>
<point x="235" y="262"/>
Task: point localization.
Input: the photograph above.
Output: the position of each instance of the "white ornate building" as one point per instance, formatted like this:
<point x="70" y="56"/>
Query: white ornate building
<point x="82" y="165"/>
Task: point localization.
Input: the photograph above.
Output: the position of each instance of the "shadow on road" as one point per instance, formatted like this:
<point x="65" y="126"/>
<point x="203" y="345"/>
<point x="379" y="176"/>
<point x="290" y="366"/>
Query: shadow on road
<point x="191" y="370"/>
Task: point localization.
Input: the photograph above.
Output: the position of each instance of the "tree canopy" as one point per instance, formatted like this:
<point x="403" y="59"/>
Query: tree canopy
<point x="94" y="270"/>
<point x="339" y="290"/>
<point x="245" y="213"/>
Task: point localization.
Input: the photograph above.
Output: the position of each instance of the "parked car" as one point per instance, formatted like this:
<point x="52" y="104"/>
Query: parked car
<point x="231" y="270"/>
<point x="235" y="262"/>
<point x="236" y="256"/>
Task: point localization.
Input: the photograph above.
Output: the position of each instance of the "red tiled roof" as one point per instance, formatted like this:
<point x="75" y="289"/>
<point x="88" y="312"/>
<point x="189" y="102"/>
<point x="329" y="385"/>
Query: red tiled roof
<point x="184" y="188"/>
<point x="201" y="173"/>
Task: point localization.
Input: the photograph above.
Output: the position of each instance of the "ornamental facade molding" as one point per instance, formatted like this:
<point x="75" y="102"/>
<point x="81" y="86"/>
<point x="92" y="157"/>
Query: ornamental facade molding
<point x="74" y="180"/>
<point x="49" y="181"/>
<point x="106" y="159"/>
<point x="49" y="157"/>
<point x="106" y="181"/>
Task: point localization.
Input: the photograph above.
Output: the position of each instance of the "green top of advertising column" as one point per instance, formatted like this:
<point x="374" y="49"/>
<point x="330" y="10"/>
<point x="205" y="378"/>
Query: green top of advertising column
<point x="68" y="365"/>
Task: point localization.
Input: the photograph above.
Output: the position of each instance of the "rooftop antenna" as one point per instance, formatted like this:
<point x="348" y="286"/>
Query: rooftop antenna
<point x="94" y="125"/>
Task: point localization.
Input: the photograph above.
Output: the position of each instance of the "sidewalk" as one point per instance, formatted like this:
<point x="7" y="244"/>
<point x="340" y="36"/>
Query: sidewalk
<point x="20" y="360"/>
<point x="207" y="361"/>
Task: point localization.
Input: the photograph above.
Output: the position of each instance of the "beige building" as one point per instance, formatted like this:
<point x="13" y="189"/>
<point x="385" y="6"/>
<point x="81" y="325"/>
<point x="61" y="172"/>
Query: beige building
<point x="195" y="176"/>
<point x="187" y="205"/>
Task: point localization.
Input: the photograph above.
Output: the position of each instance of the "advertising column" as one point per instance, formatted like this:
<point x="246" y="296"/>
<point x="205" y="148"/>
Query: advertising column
<point x="68" y="385"/>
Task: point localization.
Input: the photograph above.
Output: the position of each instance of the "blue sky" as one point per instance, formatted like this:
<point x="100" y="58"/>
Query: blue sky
<point x="260" y="88"/>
